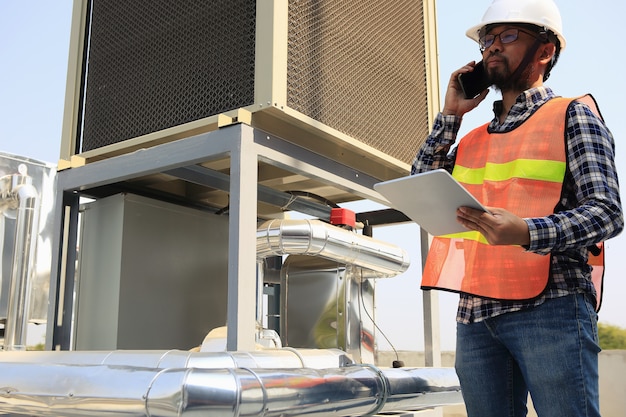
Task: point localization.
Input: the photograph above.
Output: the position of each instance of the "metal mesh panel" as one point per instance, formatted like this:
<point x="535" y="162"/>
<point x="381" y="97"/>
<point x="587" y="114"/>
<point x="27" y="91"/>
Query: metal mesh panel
<point x="358" y="66"/>
<point x="154" y="64"/>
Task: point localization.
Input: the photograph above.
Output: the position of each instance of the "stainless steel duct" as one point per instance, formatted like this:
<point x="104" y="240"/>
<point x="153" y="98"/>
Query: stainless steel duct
<point x="19" y="198"/>
<point x="51" y="389"/>
<point x="162" y="359"/>
<point x="316" y="238"/>
<point x="326" y="301"/>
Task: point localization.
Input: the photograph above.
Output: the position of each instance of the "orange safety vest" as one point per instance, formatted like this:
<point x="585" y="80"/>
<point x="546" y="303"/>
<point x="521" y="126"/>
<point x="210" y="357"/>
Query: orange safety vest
<point x="524" y="177"/>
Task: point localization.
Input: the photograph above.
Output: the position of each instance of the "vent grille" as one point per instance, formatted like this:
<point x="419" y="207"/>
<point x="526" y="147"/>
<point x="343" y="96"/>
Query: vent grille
<point x="154" y="64"/>
<point x="358" y="66"/>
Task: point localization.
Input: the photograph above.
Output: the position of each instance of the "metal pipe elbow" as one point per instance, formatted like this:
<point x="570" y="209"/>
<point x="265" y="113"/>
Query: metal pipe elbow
<point x="315" y="238"/>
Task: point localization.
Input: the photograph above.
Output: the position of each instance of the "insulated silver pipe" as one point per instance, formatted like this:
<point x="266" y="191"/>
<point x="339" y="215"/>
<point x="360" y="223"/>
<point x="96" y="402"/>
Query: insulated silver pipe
<point x="18" y="195"/>
<point x="315" y="238"/>
<point x="287" y="358"/>
<point x="104" y="390"/>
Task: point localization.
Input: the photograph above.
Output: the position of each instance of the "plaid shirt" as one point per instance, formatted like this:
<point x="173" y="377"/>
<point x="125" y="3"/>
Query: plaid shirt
<point x="589" y="211"/>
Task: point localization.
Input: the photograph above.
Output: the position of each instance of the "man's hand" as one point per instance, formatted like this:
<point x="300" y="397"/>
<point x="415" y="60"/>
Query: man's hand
<point x="500" y="227"/>
<point x="455" y="102"/>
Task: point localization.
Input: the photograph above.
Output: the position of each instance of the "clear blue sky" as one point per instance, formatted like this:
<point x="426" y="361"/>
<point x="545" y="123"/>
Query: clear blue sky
<point x="34" y="38"/>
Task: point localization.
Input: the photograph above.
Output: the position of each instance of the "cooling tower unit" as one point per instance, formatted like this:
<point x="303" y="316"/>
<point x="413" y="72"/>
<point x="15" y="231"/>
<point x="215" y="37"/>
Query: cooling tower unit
<point x="354" y="80"/>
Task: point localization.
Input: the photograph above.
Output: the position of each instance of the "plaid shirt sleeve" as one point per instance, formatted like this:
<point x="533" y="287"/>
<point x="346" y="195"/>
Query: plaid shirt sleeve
<point x="590" y="210"/>
<point x="435" y="152"/>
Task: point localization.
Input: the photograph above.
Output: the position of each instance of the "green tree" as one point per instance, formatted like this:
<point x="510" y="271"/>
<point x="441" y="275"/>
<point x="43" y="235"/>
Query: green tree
<point x="611" y="337"/>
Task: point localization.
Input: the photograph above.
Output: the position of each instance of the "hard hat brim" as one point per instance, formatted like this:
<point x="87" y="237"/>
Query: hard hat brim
<point x="473" y="32"/>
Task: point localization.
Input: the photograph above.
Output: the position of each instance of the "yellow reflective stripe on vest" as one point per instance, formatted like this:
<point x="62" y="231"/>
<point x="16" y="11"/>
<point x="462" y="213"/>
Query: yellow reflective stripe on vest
<point x="469" y="235"/>
<point x="466" y="175"/>
<point x="541" y="170"/>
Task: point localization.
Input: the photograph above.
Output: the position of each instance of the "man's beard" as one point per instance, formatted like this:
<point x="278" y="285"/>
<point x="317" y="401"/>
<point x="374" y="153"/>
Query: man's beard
<point x="507" y="79"/>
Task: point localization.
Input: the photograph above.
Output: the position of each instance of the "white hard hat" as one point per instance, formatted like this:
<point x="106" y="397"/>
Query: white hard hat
<point x="542" y="13"/>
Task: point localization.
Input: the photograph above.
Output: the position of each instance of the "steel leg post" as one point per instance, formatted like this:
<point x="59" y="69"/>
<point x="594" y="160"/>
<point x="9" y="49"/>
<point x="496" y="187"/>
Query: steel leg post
<point x="432" y="331"/>
<point x="241" y="310"/>
<point x="62" y="272"/>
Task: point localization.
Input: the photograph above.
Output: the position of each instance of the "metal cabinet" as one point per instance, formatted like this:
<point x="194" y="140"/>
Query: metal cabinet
<point x="237" y="168"/>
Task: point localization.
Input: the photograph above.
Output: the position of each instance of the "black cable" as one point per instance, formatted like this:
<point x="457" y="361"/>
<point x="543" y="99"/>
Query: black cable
<point x="397" y="363"/>
<point x="294" y="193"/>
<point x="313" y="196"/>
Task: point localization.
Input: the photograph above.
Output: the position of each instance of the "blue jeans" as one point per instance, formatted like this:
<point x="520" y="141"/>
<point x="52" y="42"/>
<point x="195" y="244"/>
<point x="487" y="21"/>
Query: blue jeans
<point x="550" y="351"/>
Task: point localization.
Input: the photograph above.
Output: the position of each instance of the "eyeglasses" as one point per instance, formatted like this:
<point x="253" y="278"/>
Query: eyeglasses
<point x="506" y="36"/>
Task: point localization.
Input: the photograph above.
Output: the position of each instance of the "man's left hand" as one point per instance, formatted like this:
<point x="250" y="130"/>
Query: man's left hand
<point x="499" y="226"/>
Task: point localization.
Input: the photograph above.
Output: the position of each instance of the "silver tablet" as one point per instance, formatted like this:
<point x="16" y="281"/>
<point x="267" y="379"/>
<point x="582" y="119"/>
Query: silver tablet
<point x="430" y="199"/>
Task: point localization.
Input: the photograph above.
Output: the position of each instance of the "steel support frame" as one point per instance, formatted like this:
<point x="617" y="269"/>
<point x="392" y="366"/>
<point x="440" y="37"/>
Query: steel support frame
<point x="246" y="147"/>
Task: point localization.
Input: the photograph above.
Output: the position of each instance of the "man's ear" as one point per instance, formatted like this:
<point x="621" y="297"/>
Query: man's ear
<point x="546" y="53"/>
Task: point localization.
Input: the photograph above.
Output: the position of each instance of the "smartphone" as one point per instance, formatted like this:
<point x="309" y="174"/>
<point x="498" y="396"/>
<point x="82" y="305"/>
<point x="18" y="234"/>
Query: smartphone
<point x="475" y="82"/>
